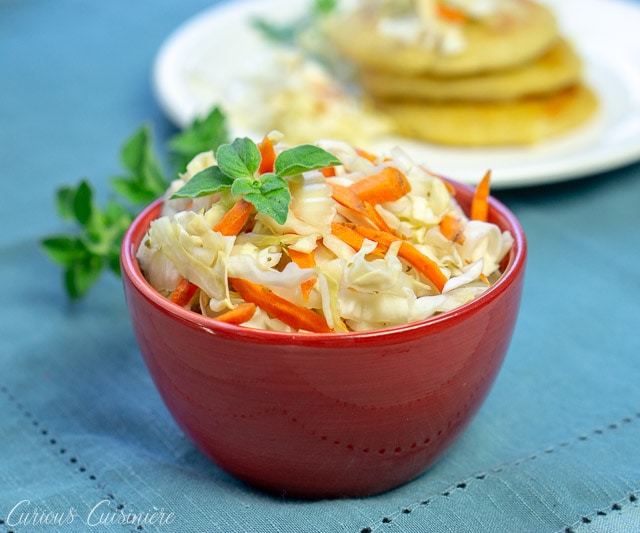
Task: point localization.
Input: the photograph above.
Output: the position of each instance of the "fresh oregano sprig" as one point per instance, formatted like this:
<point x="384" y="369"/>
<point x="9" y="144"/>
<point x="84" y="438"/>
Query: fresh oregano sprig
<point x="92" y="246"/>
<point x="237" y="171"/>
<point x="289" y="33"/>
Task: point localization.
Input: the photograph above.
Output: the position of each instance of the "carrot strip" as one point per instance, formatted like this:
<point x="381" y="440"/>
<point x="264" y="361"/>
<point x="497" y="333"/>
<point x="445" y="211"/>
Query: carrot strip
<point x="367" y="155"/>
<point x="238" y="315"/>
<point x="387" y="185"/>
<point x="183" y="293"/>
<point x="328" y="172"/>
<point x="423" y="264"/>
<point x="480" y="200"/>
<point x="347" y="235"/>
<point x="350" y="236"/>
<point x="376" y="218"/>
<point x="451" y="228"/>
<point x="304" y="260"/>
<point x="234" y="220"/>
<point x="450" y="13"/>
<point x="346" y="197"/>
<point x="410" y="253"/>
<point x="450" y="188"/>
<point x="268" y="155"/>
<point x="295" y="316"/>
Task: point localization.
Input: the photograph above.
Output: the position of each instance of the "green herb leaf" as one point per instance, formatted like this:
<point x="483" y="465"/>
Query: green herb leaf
<point x="240" y="159"/>
<point x="83" y="203"/>
<point x="290" y="33"/>
<point x="64" y="202"/>
<point x="94" y="244"/>
<point x="81" y="276"/>
<point x="202" y="135"/>
<point x="281" y="34"/>
<point x="64" y="249"/>
<point x="324" y="7"/>
<point x="145" y="180"/>
<point x="271" y="182"/>
<point x="243" y="186"/>
<point x="271" y="197"/>
<point x="208" y="181"/>
<point x="303" y="158"/>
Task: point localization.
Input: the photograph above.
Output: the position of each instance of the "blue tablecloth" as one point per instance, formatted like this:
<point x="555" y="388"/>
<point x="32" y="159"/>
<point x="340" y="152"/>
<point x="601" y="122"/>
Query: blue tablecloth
<point x="85" y="440"/>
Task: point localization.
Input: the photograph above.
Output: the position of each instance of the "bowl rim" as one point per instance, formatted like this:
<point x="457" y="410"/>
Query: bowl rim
<point x="515" y="267"/>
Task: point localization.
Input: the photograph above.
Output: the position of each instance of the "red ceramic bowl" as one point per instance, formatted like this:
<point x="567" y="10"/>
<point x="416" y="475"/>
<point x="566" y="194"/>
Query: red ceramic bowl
<point x="325" y="415"/>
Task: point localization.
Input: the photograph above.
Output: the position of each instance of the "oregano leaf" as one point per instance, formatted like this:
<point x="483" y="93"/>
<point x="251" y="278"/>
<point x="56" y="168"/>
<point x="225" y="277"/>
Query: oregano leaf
<point x="82" y="274"/>
<point x="202" y="135"/>
<point x="302" y="159"/>
<point x="272" y="198"/>
<point x="94" y="243"/>
<point x="208" y="181"/>
<point x="64" y="202"/>
<point x="242" y="186"/>
<point x="63" y="249"/>
<point x="240" y="159"/>
<point x="270" y="182"/>
<point x="83" y="203"/>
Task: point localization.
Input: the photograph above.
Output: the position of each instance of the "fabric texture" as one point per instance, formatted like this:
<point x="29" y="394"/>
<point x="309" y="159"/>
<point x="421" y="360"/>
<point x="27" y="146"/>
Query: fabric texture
<point x="84" y="436"/>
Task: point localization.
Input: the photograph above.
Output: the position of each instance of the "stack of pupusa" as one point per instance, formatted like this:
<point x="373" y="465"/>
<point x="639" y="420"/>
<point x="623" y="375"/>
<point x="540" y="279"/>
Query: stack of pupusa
<point x="465" y="72"/>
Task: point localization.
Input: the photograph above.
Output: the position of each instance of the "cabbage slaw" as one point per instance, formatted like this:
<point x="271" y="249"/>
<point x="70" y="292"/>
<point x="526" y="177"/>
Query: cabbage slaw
<point x="350" y="287"/>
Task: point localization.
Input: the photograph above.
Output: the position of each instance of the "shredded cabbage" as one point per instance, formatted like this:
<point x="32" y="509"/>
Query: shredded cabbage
<point x="352" y="285"/>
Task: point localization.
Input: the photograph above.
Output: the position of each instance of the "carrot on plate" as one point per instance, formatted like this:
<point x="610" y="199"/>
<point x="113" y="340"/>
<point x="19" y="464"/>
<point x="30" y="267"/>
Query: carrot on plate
<point x="296" y="316"/>
<point x="480" y="200"/>
<point x="450" y="13"/>
<point x="239" y="314"/>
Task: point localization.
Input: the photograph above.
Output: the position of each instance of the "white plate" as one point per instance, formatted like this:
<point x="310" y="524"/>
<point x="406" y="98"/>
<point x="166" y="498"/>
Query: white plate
<point x="196" y="64"/>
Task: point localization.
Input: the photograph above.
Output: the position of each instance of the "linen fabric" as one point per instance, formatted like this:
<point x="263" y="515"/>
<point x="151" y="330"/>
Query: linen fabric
<point x="85" y="439"/>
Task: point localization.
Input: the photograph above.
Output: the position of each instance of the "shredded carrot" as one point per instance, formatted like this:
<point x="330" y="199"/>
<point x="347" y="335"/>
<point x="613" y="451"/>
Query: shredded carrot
<point x="387" y="185"/>
<point x="183" y="293"/>
<point x="376" y="218"/>
<point x="296" y="316"/>
<point x="239" y="314"/>
<point x="408" y="252"/>
<point x="480" y="201"/>
<point x="234" y="220"/>
<point x="450" y="13"/>
<point x="268" y="155"/>
<point x="304" y="260"/>
<point x="367" y="155"/>
<point x="484" y="279"/>
<point x="450" y="188"/>
<point x="346" y="197"/>
<point x="451" y="228"/>
<point x="328" y="172"/>
<point x="347" y="234"/>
